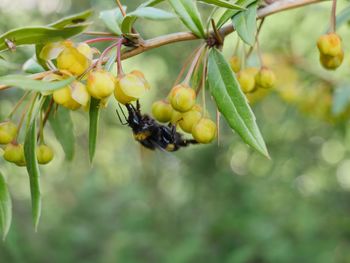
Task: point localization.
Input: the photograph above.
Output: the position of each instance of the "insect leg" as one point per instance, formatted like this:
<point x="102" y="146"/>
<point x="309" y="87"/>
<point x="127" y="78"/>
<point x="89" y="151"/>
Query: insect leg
<point x="120" y="119"/>
<point x="121" y="109"/>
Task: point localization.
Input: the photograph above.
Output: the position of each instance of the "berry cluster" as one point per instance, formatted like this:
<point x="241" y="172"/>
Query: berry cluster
<point x="331" y="51"/>
<point x="251" y="78"/>
<point x="14" y="152"/>
<point x="180" y="109"/>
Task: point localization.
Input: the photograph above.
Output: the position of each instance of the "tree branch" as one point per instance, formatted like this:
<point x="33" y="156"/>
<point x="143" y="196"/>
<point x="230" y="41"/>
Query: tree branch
<point x="275" y="7"/>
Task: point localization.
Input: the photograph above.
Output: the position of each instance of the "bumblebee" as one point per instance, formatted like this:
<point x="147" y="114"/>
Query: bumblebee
<point x="151" y="134"/>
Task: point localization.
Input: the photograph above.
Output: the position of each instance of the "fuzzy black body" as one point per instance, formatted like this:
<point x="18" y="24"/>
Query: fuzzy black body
<point x="153" y="135"/>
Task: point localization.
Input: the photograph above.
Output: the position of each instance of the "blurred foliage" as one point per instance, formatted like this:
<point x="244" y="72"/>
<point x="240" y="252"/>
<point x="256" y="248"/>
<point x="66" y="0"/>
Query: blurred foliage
<point x="206" y="203"/>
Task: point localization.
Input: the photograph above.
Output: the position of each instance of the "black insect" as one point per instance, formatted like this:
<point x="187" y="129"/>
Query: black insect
<point x="150" y="133"/>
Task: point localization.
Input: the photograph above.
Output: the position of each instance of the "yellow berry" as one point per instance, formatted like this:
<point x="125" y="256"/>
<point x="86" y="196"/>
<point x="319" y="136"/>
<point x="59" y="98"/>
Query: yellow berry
<point x="72" y="60"/>
<point x="162" y="111"/>
<point x="64" y="97"/>
<point x="235" y="63"/>
<point x="329" y="62"/>
<point x="246" y="79"/>
<point x="80" y="93"/>
<point x="100" y="84"/>
<point x="130" y="87"/>
<point x="44" y="154"/>
<point x="330" y="44"/>
<point x="8" y="132"/>
<point x="265" y="78"/>
<point x="14" y="153"/>
<point x="141" y="77"/>
<point x="175" y="117"/>
<point x="182" y="98"/>
<point x="190" y="118"/>
<point x="204" y="131"/>
<point x="86" y="50"/>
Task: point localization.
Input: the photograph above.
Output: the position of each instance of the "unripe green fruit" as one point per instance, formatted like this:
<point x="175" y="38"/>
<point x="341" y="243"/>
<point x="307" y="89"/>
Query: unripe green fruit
<point x="190" y="118"/>
<point x="44" y="154"/>
<point x="64" y="97"/>
<point x="182" y="98"/>
<point x="130" y="87"/>
<point x="265" y="78"/>
<point x="331" y="63"/>
<point x="100" y="84"/>
<point x="8" y="132"/>
<point x="72" y="60"/>
<point x="246" y="79"/>
<point x="14" y="153"/>
<point x="162" y="111"/>
<point x="235" y="63"/>
<point x="329" y="44"/>
<point x="204" y="131"/>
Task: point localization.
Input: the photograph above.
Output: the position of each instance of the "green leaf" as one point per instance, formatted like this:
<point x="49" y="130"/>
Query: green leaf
<point x="245" y="24"/>
<point x="42" y="62"/>
<point x="224" y="4"/>
<point x="232" y="103"/>
<point x="5" y="208"/>
<point x="32" y="66"/>
<point x="72" y="20"/>
<point x="39" y="35"/>
<point x="146" y="13"/>
<point x="26" y="83"/>
<point x="230" y="13"/>
<point x="151" y="3"/>
<point x="113" y="19"/>
<point x="33" y="172"/>
<point x="62" y="126"/>
<point x="188" y="12"/>
<point x="93" y="126"/>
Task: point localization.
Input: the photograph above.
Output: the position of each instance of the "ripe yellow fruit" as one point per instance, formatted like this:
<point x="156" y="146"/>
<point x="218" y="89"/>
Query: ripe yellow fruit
<point x="329" y="62"/>
<point x="72" y="60"/>
<point x="130" y="87"/>
<point x="265" y="78"/>
<point x="64" y="97"/>
<point x="182" y="98"/>
<point x="204" y="131"/>
<point x="100" y="84"/>
<point x="8" y="132"/>
<point x="246" y="79"/>
<point x="235" y="63"/>
<point x="141" y="77"/>
<point x="80" y="93"/>
<point x="162" y="111"/>
<point x="44" y="154"/>
<point x="14" y="153"/>
<point x="190" y="118"/>
<point x="176" y="117"/>
<point x="330" y="44"/>
<point x="86" y="50"/>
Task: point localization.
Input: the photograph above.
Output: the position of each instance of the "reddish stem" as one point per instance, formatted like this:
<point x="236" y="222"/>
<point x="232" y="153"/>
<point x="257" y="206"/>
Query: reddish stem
<point x="333" y="16"/>
<point x="120" y="71"/>
<point x="100" y="39"/>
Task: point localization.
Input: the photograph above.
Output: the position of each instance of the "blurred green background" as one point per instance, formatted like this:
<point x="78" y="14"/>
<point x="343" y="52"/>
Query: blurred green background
<point x="215" y="203"/>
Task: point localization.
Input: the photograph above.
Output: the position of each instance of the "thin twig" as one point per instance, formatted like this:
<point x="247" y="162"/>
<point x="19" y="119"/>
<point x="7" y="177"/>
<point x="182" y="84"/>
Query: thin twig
<point x="273" y="8"/>
<point x="19" y="103"/>
<point x="333" y="16"/>
<point x="193" y="65"/>
<point x="121" y="8"/>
